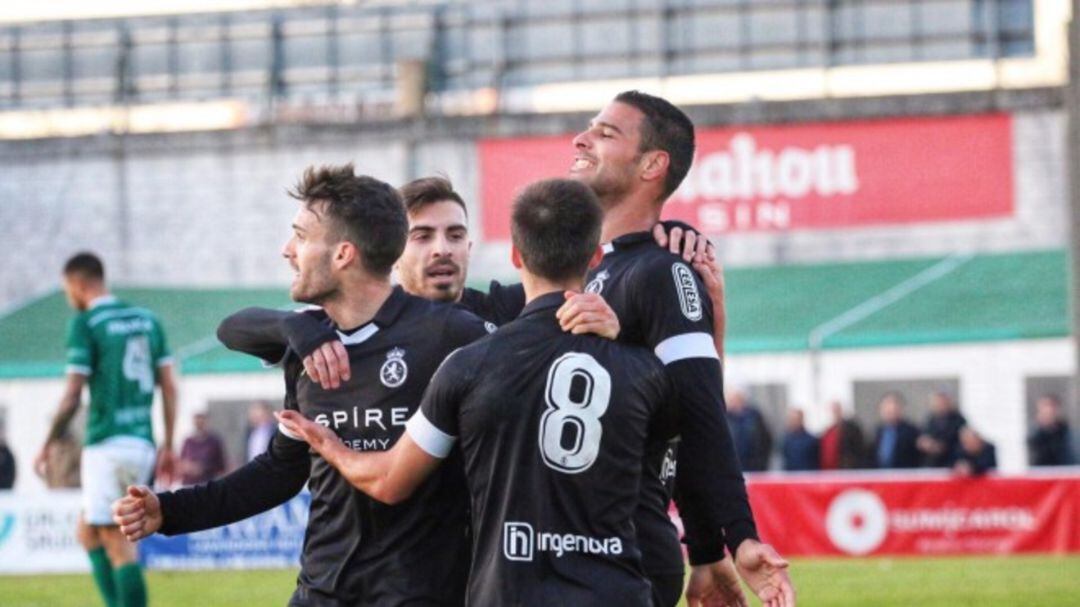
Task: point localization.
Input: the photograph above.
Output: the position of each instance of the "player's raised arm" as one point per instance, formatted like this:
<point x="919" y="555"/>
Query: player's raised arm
<point x="268" y="334"/>
<point x="684" y="240"/>
<point x="388" y="476"/>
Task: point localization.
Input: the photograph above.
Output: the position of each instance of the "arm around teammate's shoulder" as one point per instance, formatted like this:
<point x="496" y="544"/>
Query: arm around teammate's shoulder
<point x="267" y="333"/>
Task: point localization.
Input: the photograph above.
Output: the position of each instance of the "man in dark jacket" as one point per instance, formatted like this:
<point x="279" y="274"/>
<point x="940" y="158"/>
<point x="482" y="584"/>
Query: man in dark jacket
<point x="1051" y="443"/>
<point x="7" y="463"/>
<point x="894" y="445"/>
<point x="940" y="439"/>
<point x="753" y="442"/>
<point x="974" y="456"/>
<point x="800" y="448"/>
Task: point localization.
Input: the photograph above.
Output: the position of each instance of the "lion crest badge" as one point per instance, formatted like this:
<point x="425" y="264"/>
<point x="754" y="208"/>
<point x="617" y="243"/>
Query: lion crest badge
<point x="394" y="370"/>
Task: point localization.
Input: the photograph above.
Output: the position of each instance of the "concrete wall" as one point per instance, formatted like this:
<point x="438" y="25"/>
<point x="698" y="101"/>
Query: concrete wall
<point x="210" y="209"/>
<point x="201" y="216"/>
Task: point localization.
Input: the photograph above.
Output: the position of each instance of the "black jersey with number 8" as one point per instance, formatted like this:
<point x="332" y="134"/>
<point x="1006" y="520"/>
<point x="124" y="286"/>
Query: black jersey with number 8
<point x="552" y="427"/>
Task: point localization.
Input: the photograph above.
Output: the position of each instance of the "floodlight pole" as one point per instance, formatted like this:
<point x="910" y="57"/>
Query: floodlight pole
<point x="1072" y="111"/>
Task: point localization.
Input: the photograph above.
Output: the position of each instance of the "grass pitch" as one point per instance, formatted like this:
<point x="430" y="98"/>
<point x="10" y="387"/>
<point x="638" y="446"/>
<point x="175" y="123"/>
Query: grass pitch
<point x="975" y="581"/>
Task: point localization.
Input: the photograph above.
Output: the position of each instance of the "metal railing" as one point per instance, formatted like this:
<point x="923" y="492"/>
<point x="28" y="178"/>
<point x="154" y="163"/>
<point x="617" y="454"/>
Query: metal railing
<point x="350" y="53"/>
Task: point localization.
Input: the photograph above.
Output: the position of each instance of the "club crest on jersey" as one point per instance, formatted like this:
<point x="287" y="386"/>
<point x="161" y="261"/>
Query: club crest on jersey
<point x="597" y="284"/>
<point x="490" y="327"/>
<point x="394" y="370"/>
<point x="686" y="287"/>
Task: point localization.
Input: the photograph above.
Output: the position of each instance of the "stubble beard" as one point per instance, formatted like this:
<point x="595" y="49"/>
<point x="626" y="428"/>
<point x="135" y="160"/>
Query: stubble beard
<point x="317" y="288"/>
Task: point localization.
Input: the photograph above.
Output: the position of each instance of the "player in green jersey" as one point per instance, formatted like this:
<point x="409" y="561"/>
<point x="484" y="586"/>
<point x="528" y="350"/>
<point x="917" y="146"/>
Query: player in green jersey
<point x="121" y="353"/>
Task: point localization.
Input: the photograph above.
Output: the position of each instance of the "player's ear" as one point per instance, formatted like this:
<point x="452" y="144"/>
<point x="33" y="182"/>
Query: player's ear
<point x="654" y="165"/>
<point x="597" y="257"/>
<point x="515" y="257"/>
<point x="346" y="253"/>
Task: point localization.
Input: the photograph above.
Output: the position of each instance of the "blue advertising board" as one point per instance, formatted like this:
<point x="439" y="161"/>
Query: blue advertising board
<point x="268" y="540"/>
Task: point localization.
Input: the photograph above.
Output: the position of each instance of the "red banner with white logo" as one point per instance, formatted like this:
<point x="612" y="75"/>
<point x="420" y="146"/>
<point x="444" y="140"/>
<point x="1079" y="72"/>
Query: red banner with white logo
<point x="918" y="516"/>
<point x="807" y="176"/>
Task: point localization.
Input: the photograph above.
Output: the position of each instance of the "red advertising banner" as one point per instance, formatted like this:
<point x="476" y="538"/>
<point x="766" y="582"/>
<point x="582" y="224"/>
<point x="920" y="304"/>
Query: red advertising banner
<point x="806" y="176"/>
<point x="857" y="516"/>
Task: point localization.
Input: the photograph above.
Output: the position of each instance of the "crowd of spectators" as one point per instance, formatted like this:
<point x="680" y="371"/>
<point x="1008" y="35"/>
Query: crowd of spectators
<point x="944" y="440"/>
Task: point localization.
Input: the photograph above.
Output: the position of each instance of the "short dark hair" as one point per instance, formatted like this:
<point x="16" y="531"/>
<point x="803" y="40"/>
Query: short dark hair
<point x="666" y="128"/>
<point x="85" y="265"/>
<point x="419" y="193"/>
<point x="555" y="225"/>
<point x="365" y="211"/>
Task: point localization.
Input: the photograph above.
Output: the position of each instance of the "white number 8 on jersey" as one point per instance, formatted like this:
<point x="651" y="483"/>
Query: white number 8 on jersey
<point x="577" y="394"/>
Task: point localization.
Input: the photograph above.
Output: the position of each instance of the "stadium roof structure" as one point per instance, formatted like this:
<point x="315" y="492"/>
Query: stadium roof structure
<point x="770" y="309"/>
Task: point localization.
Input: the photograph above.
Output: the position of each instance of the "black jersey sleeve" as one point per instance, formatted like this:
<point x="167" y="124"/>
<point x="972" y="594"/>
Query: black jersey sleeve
<point x="500" y="305"/>
<point x="269" y="480"/>
<point x="434" y="427"/>
<point x="267" y="333"/>
<point x="709" y="487"/>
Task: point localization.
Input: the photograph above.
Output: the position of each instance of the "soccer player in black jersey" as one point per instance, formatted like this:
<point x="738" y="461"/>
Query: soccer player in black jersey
<point x="552" y="428"/>
<point x="633" y="155"/>
<point x="348" y="232"/>
<point x="435" y="264"/>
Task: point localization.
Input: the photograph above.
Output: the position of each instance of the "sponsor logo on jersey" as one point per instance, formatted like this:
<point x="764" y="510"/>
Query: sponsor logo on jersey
<point x="132" y="415"/>
<point x="521" y="543"/>
<point x="394" y="370"/>
<point x="596" y="285"/>
<point x="126" y="326"/>
<point x="686" y="287"/>
<point x="359" y="417"/>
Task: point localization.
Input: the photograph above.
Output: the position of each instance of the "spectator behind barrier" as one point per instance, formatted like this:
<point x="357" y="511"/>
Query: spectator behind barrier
<point x="842" y="444"/>
<point x="7" y="463"/>
<point x="753" y="443"/>
<point x="940" y="440"/>
<point x="261" y="427"/>
<point x="202" y="457"/>
<point x="894" y="444"/>
<point x="800" y="448"/>
<point x="974" y="455"/>
<point x="1051" y="442"/>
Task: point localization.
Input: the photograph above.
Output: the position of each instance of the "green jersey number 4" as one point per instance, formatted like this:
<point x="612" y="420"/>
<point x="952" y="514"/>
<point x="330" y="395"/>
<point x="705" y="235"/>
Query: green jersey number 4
<point x="137" y="362"/>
